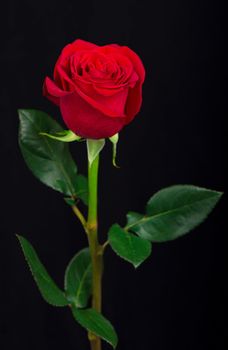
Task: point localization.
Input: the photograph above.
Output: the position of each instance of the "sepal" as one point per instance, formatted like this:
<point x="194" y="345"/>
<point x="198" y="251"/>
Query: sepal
<point x="114" y="139"/>
<point x="63" y="136"/>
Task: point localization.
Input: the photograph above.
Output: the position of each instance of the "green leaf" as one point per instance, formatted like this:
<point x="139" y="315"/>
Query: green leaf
<point x="174" y="211"/>
<point x="63" y="136"/>
<point x="94" y="147"/>
<point x="78" y="279"/>
<point x="81" y="187"/>
<point x="47" y="287"/>
<point x="50" y="161"/>
<point x="133" y="217"/>
<point x="128" y="246"/>
<point x="96" y="324"/>
<point x="114" y="139"/>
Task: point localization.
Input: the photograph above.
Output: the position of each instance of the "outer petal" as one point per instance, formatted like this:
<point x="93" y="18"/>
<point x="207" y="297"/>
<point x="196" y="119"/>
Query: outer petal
<point x="111" y="105"/>
<point x="134" y="102"/>
<point x="134" y="99"/>
<point x="84" y="45"/>
<point x="70" y="49"/>
<point x="134" y="58"/>
<point x="52" y="91"/>
<point x="87" y="121"/>
<point x="63" y="80"/>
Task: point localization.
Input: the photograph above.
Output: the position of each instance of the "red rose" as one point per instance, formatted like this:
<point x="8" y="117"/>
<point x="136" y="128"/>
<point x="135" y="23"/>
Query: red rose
<point x="98" y="88"/>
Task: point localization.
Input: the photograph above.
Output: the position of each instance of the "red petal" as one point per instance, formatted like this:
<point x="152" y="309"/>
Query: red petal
<point x="84" y="45"/>
<point x="87" y="121"/>
<point x="52" y="91"/>
<point x="70" y="49"/>
<point x="136" y="61"/>
<point x="63" y="80"/>
<point x="134" y="102"/>
<point x="134" y="99"/>
<point x="113" y="106"/>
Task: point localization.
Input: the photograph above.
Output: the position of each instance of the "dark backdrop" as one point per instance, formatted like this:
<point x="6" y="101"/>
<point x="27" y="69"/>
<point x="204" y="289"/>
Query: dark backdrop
<point x="175" y="300"/>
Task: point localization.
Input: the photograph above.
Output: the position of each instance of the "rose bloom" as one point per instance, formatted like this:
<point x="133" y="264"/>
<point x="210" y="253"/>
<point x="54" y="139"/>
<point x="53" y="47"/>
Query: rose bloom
<point x="98" y="88"/>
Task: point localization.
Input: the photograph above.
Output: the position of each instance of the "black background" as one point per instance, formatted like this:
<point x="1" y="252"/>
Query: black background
<point x="175" y="300"/>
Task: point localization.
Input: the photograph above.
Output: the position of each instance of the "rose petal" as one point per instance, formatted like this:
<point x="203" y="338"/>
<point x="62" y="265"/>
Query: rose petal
<point x="107" y="91"/>
<point x="52" y="91"/>
<point x="63" y="80"/>
<point x="134" y="102"/>
<point x="86" y="121"/>
<point x="136" y="61"/>
<point x="111" y="105"/>
<point x="84" y="45"/>
<point x="70" y="49"/>
<point x="134" y="78"/>
<point x="134" y="99"/>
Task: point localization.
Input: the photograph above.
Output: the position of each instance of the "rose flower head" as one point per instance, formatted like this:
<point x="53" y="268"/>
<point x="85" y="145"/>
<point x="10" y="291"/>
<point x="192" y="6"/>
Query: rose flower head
<point x="97" y="88"/>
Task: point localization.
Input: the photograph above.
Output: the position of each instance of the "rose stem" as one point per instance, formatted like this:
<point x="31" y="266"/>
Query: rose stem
<point x="96" y="250"/>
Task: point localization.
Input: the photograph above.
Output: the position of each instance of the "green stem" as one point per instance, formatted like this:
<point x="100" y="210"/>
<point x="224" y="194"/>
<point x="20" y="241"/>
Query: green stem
<point x="80" y="216"/>
<point x="95" y="247"/>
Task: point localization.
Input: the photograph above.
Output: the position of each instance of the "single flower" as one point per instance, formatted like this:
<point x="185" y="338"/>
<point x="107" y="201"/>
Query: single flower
<point x="98" y="88"/>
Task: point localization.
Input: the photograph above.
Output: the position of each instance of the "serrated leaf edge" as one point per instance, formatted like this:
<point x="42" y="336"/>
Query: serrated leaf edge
<point x="34" y="277"/>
